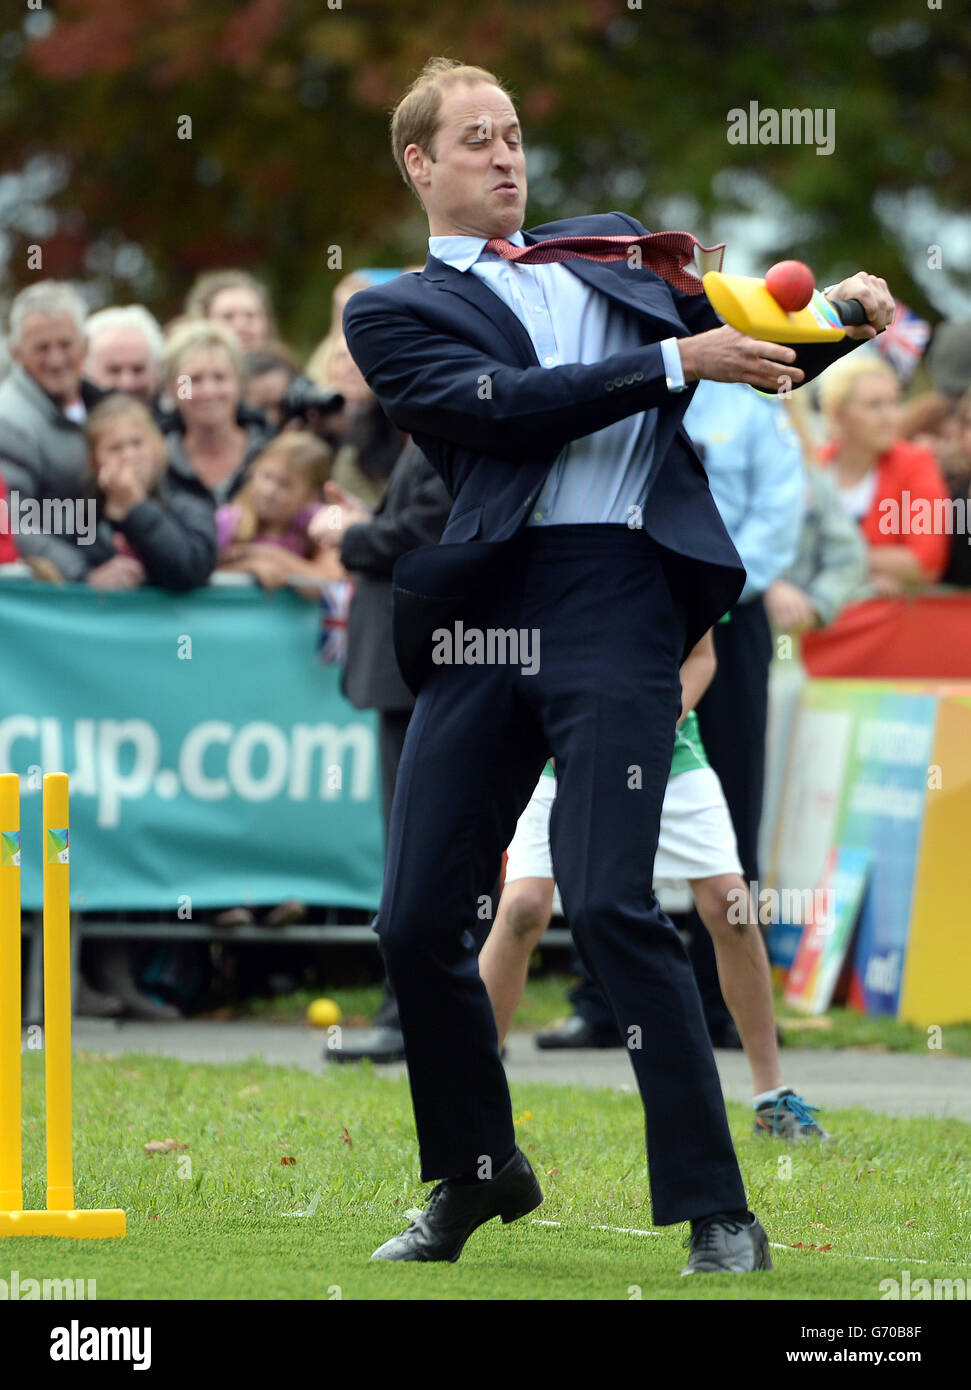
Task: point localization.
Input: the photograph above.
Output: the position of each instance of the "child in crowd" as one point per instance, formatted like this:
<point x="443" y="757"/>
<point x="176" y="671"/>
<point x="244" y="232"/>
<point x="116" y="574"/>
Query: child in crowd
<point x="152" y="527"/>
<point x="265" y="530"/>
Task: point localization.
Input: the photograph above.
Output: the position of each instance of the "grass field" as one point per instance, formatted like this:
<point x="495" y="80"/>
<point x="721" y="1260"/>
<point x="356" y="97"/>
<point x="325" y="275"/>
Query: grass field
<point x="215" y="1220"/>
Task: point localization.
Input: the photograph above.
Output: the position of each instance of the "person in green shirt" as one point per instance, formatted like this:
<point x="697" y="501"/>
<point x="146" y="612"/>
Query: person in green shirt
<point x="696" y="845"/>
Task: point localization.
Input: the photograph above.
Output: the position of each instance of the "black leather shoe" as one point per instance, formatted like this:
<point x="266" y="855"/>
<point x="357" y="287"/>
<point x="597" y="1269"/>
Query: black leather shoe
<point x="456" y="1209"/>
<point x="575" y="1031"/>
<point x="368" y="1044"/>
<point x="725" y="1245"/>
<point x="387" y="1014"/>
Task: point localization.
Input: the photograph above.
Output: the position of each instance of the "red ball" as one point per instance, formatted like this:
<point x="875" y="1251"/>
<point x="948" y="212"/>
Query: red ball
<point x="791" y="285"/>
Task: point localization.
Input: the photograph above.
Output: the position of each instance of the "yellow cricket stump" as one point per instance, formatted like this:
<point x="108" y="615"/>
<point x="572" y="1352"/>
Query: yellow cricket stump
<point x="11" y="1183"/>
<point x="82" y="1225"/>
<point x="60" y="1218"/>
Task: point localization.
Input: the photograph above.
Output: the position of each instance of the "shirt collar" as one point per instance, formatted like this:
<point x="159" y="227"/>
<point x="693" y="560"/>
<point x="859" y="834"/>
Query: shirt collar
<point x="462" y="252"/>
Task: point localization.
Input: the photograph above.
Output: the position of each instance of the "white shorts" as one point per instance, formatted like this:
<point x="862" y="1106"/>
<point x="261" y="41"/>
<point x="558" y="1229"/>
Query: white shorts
<point x="696" y="839"/>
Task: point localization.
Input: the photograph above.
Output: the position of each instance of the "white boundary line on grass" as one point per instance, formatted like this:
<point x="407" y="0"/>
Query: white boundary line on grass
<point x="775" y="1244"/>
<point x="620" y="1230"/>
<point x="877" y="1259"/>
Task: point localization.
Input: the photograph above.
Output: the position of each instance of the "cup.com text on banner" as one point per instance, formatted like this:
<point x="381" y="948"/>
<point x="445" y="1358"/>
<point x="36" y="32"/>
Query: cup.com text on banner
<point x="212" y="757"/>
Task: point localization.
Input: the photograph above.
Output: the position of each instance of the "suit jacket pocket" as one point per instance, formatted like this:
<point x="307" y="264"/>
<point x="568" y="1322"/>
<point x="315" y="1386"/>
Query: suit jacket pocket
<point x="416" y="616"/>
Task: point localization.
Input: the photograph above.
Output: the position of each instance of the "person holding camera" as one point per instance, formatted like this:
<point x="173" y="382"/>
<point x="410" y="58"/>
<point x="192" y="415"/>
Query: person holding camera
<point x="366" y="443"/>
<point x="268" y="374"/>
<point x="288" y="398"/>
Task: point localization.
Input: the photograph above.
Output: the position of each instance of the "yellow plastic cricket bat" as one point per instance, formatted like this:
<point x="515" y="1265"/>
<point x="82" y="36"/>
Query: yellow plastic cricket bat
<point x="744" y="302"/>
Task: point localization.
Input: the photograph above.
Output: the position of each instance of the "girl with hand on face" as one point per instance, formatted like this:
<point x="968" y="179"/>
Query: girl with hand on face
<point x="152" y="527"/>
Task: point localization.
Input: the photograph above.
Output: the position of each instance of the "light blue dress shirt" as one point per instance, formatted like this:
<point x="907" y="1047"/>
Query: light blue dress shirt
<point x="754" y="464"/>
<point x="601" y="477"/>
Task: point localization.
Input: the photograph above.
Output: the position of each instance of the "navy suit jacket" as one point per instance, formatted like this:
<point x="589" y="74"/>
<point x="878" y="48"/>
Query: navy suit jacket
<point x="452" y="365"/>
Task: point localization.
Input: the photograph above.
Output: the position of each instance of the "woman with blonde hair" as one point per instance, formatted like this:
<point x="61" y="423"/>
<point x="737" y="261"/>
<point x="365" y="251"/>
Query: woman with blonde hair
<point x="888" y="486"/>
<point x="210" y="439"/>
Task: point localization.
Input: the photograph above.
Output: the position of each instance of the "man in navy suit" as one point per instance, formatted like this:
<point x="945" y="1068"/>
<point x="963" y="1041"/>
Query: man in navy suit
<point x="582" y="559"/>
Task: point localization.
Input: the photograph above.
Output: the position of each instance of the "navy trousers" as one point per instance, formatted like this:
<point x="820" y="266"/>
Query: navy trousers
<point x="603" y="701"/>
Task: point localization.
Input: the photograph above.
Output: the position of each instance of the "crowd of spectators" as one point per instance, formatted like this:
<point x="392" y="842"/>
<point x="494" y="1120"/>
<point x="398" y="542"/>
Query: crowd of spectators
<point x="218" y="387"/>
<point x="163" y="429"/>
<point x="200" y="448"/>
<point x="205" y="446"/>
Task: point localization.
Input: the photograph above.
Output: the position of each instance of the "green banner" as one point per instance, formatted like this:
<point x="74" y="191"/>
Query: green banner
<point x="213" y="760"/>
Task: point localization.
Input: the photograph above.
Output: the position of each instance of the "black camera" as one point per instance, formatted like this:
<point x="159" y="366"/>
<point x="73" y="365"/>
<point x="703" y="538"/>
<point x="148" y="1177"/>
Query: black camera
<point x="304" y="396"/>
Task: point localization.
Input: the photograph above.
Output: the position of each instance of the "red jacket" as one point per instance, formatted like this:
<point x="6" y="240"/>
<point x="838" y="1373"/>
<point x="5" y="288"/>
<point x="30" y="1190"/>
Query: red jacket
<point x="907" y="474"/>
<point x="8" y="551"/>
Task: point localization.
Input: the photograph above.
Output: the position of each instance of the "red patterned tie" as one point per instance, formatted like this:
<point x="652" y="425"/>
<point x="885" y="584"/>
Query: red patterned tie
<point x="666" y="253"/>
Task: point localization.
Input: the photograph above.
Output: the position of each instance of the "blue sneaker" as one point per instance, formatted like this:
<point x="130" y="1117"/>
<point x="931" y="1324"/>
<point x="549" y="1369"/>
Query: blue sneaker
<point x="788" y="1117"/>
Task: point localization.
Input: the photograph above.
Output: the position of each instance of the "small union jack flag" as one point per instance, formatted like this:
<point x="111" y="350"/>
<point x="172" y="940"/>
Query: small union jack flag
<point x="335" y="601"/>
<point x="903" y="343"/>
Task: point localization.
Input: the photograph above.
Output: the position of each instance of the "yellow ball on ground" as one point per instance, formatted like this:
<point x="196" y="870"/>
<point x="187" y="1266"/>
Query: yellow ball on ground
<point x="323" y="1013"/>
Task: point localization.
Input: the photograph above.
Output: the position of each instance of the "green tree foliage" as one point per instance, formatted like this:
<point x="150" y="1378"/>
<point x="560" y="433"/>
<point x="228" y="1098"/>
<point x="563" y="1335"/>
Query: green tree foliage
<point x="622" y="106"/>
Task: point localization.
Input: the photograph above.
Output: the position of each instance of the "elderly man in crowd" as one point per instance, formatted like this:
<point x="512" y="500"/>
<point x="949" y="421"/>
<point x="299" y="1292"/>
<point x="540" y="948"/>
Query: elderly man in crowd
<point x="44" y="403"/>
<point x="125" y="350"/>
